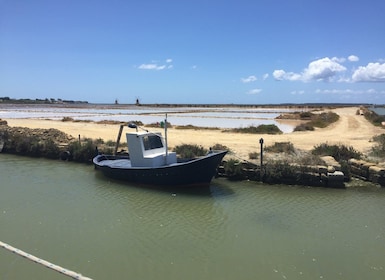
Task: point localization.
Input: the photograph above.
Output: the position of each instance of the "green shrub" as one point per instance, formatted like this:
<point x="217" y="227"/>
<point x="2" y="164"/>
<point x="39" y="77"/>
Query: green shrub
<point x="306" y="115"/>
<point x="374" y="118"/>
<point x="111" y="143"/>
<point x="379" y="149"/>
<point x="233" y="169"/>
<point x="28" y="146"/>
<point x="190" y="150"/>
<point x="67" y="119"/>
<point x="339" y="152"/>
<point x="304" y="127"/>
<point x="281" y="147"/>
<point x="190" y="126"/>
<point x="324" y="119"/>
<point x="281" y="172"/>
<point x="310" y="159"/>
<point x="83" y="151"/>
<point x="345" y="168"/>
<point x="316" y="120"/>
<point x="253" y="155"/>
<point x="51" y="149"/>
<point x="158" y="124"/>
<point x="220" y="147"/>
<point x="99" y="141"/>
<point x="261" y="129"/>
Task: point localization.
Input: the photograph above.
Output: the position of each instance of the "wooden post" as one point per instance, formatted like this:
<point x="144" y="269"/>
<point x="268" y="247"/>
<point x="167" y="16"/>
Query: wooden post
<point x="261" y="167"/>
<point x="118" y="140"/>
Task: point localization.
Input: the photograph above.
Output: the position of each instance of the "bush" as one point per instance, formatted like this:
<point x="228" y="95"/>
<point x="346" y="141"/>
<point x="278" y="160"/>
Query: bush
<point x="253" y="155"/>
<point x="339" y="152"/>
<point x="306" y="115"/>
<point x="324" y="119"/>
<point x="278" y="172"/>
<point x="304" y="127"/>
<point x="281" y="147"/>
<point x="67" y="119"/>
<point x="379" y="149"/>
<point x="51" y="150"/>
<point x="190" y="150"/>
<point x="158" y="124"/>
<point x="28" y="146"/>
<point x="83" y="151"/>
<point x="220" y="147"/>
<point x="316" y="120"/>
<point x="233" y="169"/>
<point x="110" y="143"/>
<point x="261" y="129"/>
<point x="374" y="118"/>
<point x="310" y="159"/>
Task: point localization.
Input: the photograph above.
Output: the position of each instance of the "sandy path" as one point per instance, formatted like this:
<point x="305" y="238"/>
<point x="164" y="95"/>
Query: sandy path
<point x="351" y="130"/>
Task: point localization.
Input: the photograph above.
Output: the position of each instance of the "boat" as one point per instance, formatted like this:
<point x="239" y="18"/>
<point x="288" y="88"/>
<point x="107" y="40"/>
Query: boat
<point x="150" y="163"/>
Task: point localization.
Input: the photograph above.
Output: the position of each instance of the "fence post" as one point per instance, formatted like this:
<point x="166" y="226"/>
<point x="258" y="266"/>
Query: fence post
<point x="261" y="167"/>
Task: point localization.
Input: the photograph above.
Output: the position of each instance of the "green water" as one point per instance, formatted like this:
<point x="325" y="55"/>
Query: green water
<point x="72" y="216"/>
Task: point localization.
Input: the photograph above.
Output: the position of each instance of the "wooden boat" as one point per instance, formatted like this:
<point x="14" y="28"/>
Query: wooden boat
<point x="150" y="163"/>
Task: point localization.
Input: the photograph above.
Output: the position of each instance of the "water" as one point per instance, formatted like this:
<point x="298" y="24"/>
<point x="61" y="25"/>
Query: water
<point x="378" y="110"/>
<point x="221" y="117"/>
<point x="71" y="215"/>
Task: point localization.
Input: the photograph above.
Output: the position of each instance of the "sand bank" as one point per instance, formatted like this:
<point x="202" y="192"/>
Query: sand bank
<point x="351" y="130"/>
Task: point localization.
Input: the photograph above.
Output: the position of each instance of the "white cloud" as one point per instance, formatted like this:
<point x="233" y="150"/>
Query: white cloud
<point x="373" y="72"/>
<point x="151" y="66"/>
<point x="156" y="66"/>
<point x="348" y="91"/>
<point x="254" y="91"/>
<point x="337" y="59"/>
<point x="265" y="76"/>
<point x="323" y="69"/>
<point x="249" y="79"/>
<point x="297" y="92"/>
<point x="353" y="58"/>
<point x="281" y="75"/>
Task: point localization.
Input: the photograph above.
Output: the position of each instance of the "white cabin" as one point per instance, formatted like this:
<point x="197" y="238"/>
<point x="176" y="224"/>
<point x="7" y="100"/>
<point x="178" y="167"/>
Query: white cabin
<point x="148" y="149"/>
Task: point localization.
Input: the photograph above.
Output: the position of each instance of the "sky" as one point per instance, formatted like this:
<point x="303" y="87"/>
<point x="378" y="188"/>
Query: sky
<point x="193" y="52"/>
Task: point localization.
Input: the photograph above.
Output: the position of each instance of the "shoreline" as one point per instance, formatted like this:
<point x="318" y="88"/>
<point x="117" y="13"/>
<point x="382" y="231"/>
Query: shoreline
<point x="350" y="130"/>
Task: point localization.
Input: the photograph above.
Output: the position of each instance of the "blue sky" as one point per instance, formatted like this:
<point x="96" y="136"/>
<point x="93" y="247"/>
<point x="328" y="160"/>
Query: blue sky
<point x="241" y="52"/>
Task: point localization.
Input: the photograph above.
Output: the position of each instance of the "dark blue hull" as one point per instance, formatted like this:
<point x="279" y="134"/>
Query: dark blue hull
<point x="193" y="172"/>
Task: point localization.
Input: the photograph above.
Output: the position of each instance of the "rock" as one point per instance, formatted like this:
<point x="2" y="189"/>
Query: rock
<point x="330" y="161"/>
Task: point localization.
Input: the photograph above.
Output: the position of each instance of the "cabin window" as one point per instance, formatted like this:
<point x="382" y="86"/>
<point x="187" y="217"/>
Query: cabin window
<point x="151" y="142"/>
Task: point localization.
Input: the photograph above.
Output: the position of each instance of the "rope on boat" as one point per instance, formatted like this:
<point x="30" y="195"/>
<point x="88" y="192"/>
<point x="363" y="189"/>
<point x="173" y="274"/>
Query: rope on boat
<point x="47" y="264"/>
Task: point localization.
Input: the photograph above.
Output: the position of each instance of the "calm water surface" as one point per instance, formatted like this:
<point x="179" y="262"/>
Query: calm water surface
<point x="72" y="216"/>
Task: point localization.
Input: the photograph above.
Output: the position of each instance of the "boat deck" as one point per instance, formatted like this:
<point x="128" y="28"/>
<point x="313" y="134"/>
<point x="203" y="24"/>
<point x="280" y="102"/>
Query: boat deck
<point x="116" y="163"/>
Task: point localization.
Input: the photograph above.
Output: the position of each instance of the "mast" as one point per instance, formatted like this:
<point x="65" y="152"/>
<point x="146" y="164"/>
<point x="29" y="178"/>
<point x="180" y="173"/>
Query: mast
<point x="165" y="137"/>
